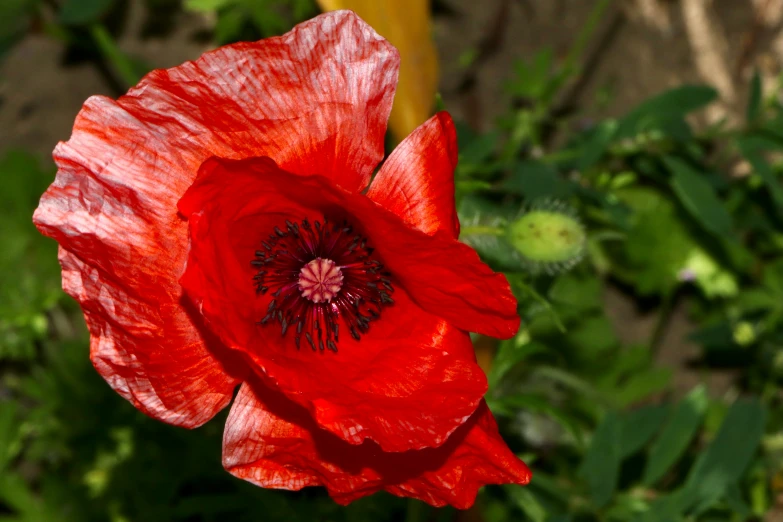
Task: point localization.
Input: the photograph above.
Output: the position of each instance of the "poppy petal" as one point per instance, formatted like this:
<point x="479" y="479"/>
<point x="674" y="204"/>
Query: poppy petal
<point x="316" y="98"/>
<point x="408" y="382"/>
<point x="416" y="182"/>
<point x="441" y="275"/>
<point x="274" y="443"/>
<point x="154" y="359"/>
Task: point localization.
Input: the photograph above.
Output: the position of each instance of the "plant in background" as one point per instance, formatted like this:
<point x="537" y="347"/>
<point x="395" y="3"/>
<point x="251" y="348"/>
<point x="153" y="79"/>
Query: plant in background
<point x="679" y="237"/>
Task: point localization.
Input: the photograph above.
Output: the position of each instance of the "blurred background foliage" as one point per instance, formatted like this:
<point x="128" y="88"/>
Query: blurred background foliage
<point x="669" y="216"/>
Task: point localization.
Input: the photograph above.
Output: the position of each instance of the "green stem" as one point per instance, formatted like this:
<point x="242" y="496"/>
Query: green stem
<point x="112" y="54"/>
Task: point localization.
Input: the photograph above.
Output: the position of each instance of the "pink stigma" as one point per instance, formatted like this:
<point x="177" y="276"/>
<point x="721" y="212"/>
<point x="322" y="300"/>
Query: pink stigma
<point x="320" y="280"/>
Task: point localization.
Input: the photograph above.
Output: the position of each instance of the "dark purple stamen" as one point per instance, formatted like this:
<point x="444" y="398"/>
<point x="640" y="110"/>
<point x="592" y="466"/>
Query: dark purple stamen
<point x="319" y="273"/>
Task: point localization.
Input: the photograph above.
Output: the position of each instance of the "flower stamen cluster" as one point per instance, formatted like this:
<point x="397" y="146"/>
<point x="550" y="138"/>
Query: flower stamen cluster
<point x="319" y="273"/>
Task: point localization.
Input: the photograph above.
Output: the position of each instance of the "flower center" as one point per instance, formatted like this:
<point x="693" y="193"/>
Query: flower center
<point x="320" y="280"/>
<point x="321" y="276"/>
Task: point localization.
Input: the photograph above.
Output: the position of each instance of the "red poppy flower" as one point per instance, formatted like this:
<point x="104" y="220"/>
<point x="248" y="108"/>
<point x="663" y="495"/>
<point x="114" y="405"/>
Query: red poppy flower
<point x="214" y="226"/>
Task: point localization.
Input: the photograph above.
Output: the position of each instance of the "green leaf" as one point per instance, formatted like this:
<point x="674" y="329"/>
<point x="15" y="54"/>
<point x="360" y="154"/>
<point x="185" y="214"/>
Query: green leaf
<point x="129" y="70"/>
<point x="573" y="382"/>
<point x="754" y="100"/>
<point x="737" y="504"/>
<point x="597" y="144"/>
<point x="510" y="353"/>
<point x="474" y="148"/>
<point x="601" y="465"/>
<point x="268" y="20"/>
<point x="592" y="338"/>
<point x="16" y="494"/>
<point x="752" y="147"/>
<point x="82" y="12"/>
<point x="229" y="25"/>
<point x="624" y="365"/>
<point x="576" y="292"/>
<point x="752" y="300"/>
<point x="639" y="427"/>
<point x="658" y="243"/>
<point x="528" y="503"/>
<point x="699" y="197"/>
<point x="729" y="454"/>
<point x="676" y="435"/>
<point x="644" y="384"/>
<point x="669" y="507"/>
<point x="660" y="110"/>
<point x="536" y="180"/>
<point x="509" y="405"/>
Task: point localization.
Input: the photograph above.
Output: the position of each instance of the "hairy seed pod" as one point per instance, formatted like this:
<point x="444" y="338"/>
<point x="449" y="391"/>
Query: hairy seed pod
<point x="549" y="237"/>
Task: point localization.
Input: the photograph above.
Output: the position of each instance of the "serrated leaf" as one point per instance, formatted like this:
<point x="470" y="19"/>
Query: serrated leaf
<point x="698" y="197"/>
<point x="728" y="455"/>
<point x="676" y="435"/>
<point x="82" y="12"/>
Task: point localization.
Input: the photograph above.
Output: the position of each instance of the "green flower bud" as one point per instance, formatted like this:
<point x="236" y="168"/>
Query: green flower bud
<point x="549" y="238"/>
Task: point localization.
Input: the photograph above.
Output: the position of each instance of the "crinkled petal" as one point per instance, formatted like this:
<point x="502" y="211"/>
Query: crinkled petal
<point x="416" y="182"/>
<point x="153" y="357"/>
<point x="274" y="443"/>
<point x="442" y="275"/>
<point x="408" y="383"/>
<point x="315" y="99"/>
